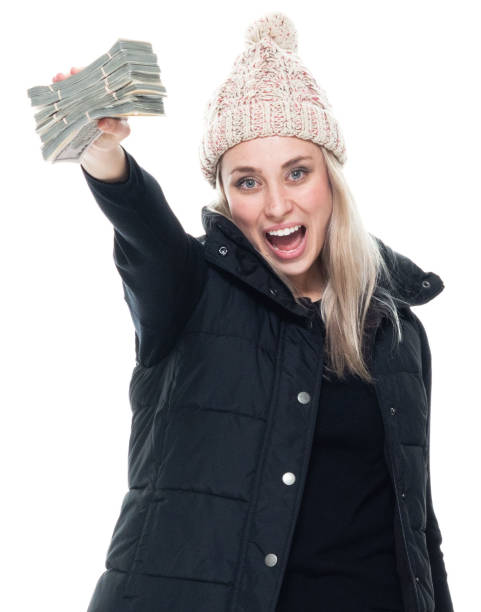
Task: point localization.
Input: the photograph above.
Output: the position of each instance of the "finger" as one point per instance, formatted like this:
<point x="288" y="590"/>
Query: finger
<point x="60" y="76"/>
<point x="114" y="127"/>
<point x="109" y="124"/>
<point x="106" y="124"/>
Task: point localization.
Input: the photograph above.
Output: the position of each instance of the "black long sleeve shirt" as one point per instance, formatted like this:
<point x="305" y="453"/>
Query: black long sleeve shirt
<point x="342" y="555"/>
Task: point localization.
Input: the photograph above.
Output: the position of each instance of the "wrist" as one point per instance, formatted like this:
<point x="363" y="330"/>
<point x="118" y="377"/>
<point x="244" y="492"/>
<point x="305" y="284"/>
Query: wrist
<point x="107" y="166"/>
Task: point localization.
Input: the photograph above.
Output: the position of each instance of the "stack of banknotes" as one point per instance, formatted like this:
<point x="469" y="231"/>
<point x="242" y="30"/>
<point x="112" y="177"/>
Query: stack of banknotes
<point x="124" y="81"/>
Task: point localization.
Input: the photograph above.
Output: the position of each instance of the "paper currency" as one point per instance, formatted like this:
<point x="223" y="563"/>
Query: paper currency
<point x="124" y="81"/>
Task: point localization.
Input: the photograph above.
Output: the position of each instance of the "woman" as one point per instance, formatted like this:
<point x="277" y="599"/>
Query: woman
<point x="279" y="453"/>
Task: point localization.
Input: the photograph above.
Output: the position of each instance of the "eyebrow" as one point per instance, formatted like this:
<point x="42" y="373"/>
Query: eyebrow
<point x="288" y="163"/>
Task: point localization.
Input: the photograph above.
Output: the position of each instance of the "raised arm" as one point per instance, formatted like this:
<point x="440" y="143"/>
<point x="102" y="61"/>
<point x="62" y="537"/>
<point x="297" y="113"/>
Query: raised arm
<point x="162" y="267"/>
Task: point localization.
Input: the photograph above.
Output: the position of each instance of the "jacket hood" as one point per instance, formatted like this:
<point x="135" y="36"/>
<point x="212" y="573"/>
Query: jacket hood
<point x="227" y="247"/>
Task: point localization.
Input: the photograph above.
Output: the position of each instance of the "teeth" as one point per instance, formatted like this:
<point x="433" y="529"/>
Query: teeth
<point x="284" y="232"/>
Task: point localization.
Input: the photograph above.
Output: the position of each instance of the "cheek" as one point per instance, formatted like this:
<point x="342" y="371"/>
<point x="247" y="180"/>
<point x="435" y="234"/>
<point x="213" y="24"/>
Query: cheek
<point x="244" y="216"/>
<point x="319" y="203"/>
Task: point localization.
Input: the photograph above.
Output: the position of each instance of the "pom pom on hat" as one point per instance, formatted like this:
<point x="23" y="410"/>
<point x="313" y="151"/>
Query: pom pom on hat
<point x="276" y="27"/>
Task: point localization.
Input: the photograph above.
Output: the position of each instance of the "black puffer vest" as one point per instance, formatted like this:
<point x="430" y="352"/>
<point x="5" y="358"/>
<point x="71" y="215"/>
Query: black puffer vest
<point x="207" y="522"/>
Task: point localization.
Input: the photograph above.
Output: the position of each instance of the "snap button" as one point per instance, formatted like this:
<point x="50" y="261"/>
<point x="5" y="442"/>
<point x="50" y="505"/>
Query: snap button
<point x="403" y="494"/>
<point x="303" y="397"/>
<point x="426" y="283"/>
<point x="288" y="478"/>
<point x="270" y="560"/>
<point x="273" y="291"/>
<point x="223" y="250"/>
<point x="393" y="410"/>
<point x="417" y="578"/>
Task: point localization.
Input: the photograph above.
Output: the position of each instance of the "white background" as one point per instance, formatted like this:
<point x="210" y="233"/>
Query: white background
<point x="403" y="80"/>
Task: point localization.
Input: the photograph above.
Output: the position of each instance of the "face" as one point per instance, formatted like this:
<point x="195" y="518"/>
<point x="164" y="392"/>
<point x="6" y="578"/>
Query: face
<point x="267" y="187"/>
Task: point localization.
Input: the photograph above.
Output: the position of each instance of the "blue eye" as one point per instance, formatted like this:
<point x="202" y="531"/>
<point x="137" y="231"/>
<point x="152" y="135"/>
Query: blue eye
<point x="244" y="180"/>
<point x="300" y="170"/>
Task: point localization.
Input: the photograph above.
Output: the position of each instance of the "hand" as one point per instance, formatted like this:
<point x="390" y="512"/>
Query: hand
<point x="115" y="129"/>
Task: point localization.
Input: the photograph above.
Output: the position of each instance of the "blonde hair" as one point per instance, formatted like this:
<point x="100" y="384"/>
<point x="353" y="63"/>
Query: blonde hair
<point x="351" y="263"/>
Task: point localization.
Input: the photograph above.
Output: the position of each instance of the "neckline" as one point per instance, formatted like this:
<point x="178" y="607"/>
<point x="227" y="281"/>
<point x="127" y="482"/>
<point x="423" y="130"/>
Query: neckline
<point x="309" y="301"/>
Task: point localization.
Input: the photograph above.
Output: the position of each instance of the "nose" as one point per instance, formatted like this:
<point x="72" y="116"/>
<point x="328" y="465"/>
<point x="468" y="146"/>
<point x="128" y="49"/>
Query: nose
<point x="277" y="203"/>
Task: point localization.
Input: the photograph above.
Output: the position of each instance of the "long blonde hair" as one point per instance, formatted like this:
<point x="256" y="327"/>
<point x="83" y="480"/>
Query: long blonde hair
<point x="350" y="263"/>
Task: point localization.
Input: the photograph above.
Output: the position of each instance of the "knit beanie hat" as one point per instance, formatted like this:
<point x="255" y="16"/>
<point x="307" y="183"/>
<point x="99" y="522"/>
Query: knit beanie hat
<point x="268" y="93"/>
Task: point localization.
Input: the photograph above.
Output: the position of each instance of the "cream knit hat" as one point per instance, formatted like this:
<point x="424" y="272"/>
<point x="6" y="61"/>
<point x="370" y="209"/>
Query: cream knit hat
<point x="268" y="93"/>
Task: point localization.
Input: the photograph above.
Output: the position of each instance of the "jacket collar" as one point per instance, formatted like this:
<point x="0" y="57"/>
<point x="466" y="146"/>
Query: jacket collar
<point x="228" y="248"/>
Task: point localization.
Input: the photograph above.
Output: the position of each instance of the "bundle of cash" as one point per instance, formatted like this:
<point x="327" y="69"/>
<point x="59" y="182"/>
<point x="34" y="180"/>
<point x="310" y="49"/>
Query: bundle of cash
<point x="124" y="81"/>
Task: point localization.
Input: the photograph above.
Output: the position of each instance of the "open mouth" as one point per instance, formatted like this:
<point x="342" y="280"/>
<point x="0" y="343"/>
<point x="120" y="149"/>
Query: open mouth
<point x="289" y="243"/>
